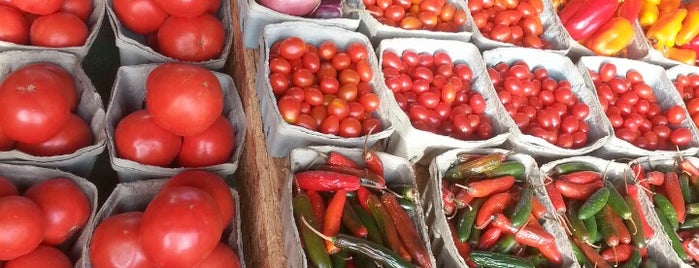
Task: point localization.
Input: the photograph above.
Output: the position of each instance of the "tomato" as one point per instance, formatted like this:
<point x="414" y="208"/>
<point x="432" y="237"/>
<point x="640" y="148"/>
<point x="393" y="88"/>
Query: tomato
<point x="644" y="91"/>
<point x="185" y="8"/>
<point x="210" y="183"/>
<point x="357" y="52"/>
<point x="675" y="115"/>
<point x="184" y="99"/>
<point x="81" y="8"/>
<point x="222" y="256"/>
<point x="634" y="77"/>
<point x="311" y="62"/>
<point x="61" y="29"/>
<point x="350" y="127"/>
<point x="303" y="78"/>
<point x="370" y="101"/>
<point x="279" y="65"/>
<point x="6" y="143"/>
<point x="211" y="147"/>
<point x="581" y="111"/>
<point x="115" y="242"/>
<point x="140" y="16"/>
<point x="38" y="7"/>
<point x="341" y="61"/>
<point x="681" y="137"/>
<point x="139" y="139"/>
<point x="364" y="70"/>
<point x="289" y="108"/>
<point x="195" y="39"/>
<point x="180" y="227"/>
<point x="331" y="124"/>
<point x="14" y="28"/>
<point x="326" y="50"/>
<point x="65" y="208"/>
<point x="607" y="72"/>
<point x="42" y="256"/>
<point x="74" y="135"/>
<point x="349" y="77"/>
<point x="693" y="106"/>
<point x="7" y="187"/>
<point x="21" y="226"/>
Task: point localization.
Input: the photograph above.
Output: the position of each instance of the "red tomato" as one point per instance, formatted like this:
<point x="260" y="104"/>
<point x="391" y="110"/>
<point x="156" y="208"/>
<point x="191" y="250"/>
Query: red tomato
<point x="74" y="135"/>
<point x="66" y="80"/>
<point x="6" y="143"/>
<point x="211" y="147"/>
<point x="289" y="108"/>
<point x="115" y="242"/>
<point x="21" y="226"/>
<point x="59" y="29"/>
<point x="139" y="139"/>
<point x="370" y="101"/>
<point x="184" y="99"/>
<point x="42" y="256"/>
<point x="681" y="137"/>
<point x="331" y="125"/>
<point x="222" y="256"/>
<point x="140" y="16"/>
<point x="14" y="28"/>
<point x="38" y="7"/>
<point x="350" y="127"/>
<point x="33" y="106"/>
<point x="195" y="39"/>
<point x="7" y="187"/>
<point x="212" y="184"/>
<point x="607" y="72"/>
<point x="357" y="52"/>
<point x="81" y="8"/>
<point x="65" y="208"/>
<point x="292" y="48"/>
<point x="185" y="8"/>
<point x="675" y="115"/>
<point x="180" y="227"/>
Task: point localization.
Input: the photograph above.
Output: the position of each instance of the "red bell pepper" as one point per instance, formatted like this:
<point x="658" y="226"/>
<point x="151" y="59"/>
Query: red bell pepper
<point x="630" y="9"/>
<point x="582" y="18"/>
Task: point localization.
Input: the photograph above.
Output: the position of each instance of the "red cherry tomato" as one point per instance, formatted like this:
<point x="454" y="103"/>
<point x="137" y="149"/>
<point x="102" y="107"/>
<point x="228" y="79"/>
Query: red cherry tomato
<point x="675" y="115"/>
<point x="74" y="135"/>
<point x="681" y="137"/>
<point x="607" y="72"/>
<point x="289" y="108"/>
<point x="139" y="139"/>
<point x="7" y="187"/>
<point x="193" y="39"/>
<point x="21" y="226"/>
<point x="115" y="242"/>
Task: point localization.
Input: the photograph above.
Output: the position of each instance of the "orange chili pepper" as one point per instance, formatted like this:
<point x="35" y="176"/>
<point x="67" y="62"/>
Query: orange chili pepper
<point x="666" y="6"/>
<point x="331" y="223"/>
<point x="663" y="33"/>
<point x="686" y="56"/>
<point x="649" y="14"/>
<point x="690" y="25"/>
<point x="614" y="36"/>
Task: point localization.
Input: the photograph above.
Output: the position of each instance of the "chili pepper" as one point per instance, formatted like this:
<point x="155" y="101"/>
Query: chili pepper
<point x="361" y="173"/>
<point x="462" y="248"/>
<point x="691" y="246"/>
<point x="649" y="263"/>
<point x="672" y="187"/>
<point x="337" y="159"/>
<point x="666" y="6"/>
<point x="556" y="198"/>
<point x="591" y="254"/>
<point x="629" y="9"/>
<point x="533" y="237"/>
<point x="388" y="229"/>
<point x="674" y="239"/>
<point x="612" y="37"/>
<point x="523" y="209"/>
<point x="583" y="19"/>
<point x="363" y="261"/>
<point x="551" y="253"/>
<point x="465" y="157"/>
<point x="538" y="209"/>
<point x="331" y="224"/>
<point x="656" y="178"/>
<point x="463" y="198"/>
<point x="407" y="232"/>
<point x="594" y="203"/>
<point x="578" y="254"/>
<point x="362" y="196"/>
<point x="501" y="222"/>
<point x="577" y="226"/>
<point x="684" y="235"/>
<point x="578" y="190"/>
<point x="339" y="260"/>
<point x="569" y="167"/>
<point x="488" y="187"/>
<point x="474" y="237"/>
<point x="686" y="56"/>
<point x="663" y="33"/>
<point x="466" y="218"/>
<point x="406" y="204"/>
<point x="622" y="232"/>
<point x="637" y="210"/>
<point x="318" y="204"/>
<point x="585" y="176"/>
<point x="375" y="252"/>
<point x="617" y="203"/>
<point x="315" y="249"/>
<point x="509" y="168"/>
<point x="449" y="208"/>
<point x="648" y="15"/>
<point x="506" y="244"/>
<point x="373" y="163"/>
<point x="607" y="228"/>
<point x="319" y="180"/>
<point x="687" y="192"/>
<point x="690" y="224"/>
<point x="693" y="208"/>
<point x="351" y="221"/>
<point x="591" y="226"/>
<point x="634" y="261"/>
<point x="686" y="166"/>
<point x="447" y="195"/>
<point x="494" y="259"/>
<point x="635" y="225"/>
<point x="619" y="254"/>
<point x="407" y="191"/>
<point x="475" y="167"/>
<point x="690" y="26"/>
<point x="494" y="204"/>
<point x="373" y="233"/>
<point x="489" y="237"/>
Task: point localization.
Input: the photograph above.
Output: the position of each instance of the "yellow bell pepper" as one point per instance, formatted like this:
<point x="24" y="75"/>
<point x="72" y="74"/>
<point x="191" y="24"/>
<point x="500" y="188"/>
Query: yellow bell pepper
<point x="663" y="33"/>
<point x="686" y="56"/>
<point x="648" y="15"/>
<point x="652" y="2"/>
<point x="667" y="6"/>
<point x="613" y="37"/>
<point x="690" y="26"/>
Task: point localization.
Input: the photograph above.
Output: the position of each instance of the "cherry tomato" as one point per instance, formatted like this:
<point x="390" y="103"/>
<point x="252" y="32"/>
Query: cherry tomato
<point x="370" y="101"/>
<point x="115" y="242"/>
<point x="644" y="91"/>
<point x="681" y="137"/>
<point x="675" y="115"/>
<point x="350" y="127"/>
<point x="74" y="135"/>
<point x="331" y="125"/>
<point x="139" y="139"/>
<point x="580" y="111"/>
<point x="21" y="226"/>
<point x="607" y="72"/>
<point x="338" y="107"/>
<point x="210" y="183"/>
<point x="289" y="108"/>
<point x="364" y="69"/>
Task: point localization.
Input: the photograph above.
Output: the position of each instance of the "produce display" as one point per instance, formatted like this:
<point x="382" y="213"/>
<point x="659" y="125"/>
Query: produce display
<point x="540" y="105"/>
<point x="514" y="21"/>
<point x="493" y="214"/>
<point x="687" y="86"/>
<point x="53" y="23"/>
<point x="38" y="103"/>
<point x="36" y="223"/>
<point x="436" y="94"/>
<point x="324" y="88"/>
<point x="190" y="206"/>
<point x="432" y="15"/>
<point x="320" y="9"/>
<point x="182" y="123"/>
<point x="672" y="27"/>
<point x="184" y="30"/>
<point x="604" y="216"/>
<point x="635" y="112"/>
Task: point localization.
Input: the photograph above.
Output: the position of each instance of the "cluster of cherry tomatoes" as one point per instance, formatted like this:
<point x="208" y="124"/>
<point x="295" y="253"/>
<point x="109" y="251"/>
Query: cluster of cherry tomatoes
<point x="50" y="23"/>
<point x="687" y="86"/>
<point x="181" y="227"/>
<point x="433" y="15"/>
<point x="511" y="21"/>
<point x="182" y="120"/>
<point x="540" y="105"/>
<point x="37" y="102"/>
<point x="35" y="223"/>
<point x="632" y="108"/>
<point x="324" y="88"/>
<point x="186" y="30"/>
<point x="436" y="94"/>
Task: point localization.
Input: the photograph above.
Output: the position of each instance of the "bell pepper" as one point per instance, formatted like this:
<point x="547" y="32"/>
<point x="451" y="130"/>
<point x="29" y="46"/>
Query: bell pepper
<point x="667" y="6"/>
<point x="686" y="56"/>
<point x="629" y="9"/>
<point x="648" y="15"/>
<point x="582" y="18"/>
<point x="614" y="36"/>
<point x="663" y="33"/>
<point x="693" y="44"/>
<point x="690" y="26"/>
<point x="653" y="2"/>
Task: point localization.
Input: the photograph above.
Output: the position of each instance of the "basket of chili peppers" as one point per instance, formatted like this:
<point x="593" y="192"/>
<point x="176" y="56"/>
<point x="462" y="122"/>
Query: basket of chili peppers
<point x="609" y="221"/>
<point x="353" y="206"/>
<point x="672" y="183"/>
<point x="485" y="209"/>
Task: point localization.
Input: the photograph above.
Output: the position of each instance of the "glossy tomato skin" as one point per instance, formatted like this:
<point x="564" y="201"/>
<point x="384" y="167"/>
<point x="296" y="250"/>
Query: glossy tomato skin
<point x="42" y="256"/>
<point x="212" y="184"/>
<point x="139" y="139"/>
<point x="185" y="8"/>
<point x="222" y="256"/>
<point x="74" y="135"/>
<point x="115" y="243"/>
<point x="38" y="7"/>
<point x="61" y="29"/>
<point x="180" y="227"/>
<point x="66" y="81"/>
<point x="6" y="143"/>
<point x="21" y="226"/>
<point x="34" y="92"/>
<point x="81" y="8"/>
<point x="7" y="187"/>
<point x="211" y="147"/>
<point x="196" y="39"/>
<point x="65" y="208"/>
<point x="14" y="27"/>
<point x="140" y="16"/>
<point x="184" y="99"/>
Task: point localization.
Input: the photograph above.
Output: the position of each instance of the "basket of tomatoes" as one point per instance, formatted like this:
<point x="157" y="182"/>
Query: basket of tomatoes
<point x="68" y="132"/>
<point x="685" y="78"/>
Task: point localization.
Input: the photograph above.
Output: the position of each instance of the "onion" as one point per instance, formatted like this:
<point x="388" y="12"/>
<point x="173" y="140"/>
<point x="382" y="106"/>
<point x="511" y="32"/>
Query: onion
<point x="291" y="7"/>
<point x="328" y="9"/>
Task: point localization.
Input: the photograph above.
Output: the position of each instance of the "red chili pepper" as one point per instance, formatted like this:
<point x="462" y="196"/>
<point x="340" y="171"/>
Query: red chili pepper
<point x="691" y="246"/>
<point x="494" y="204"/>
<point x="333" y="216"/>
<point x="538" y="209"/>
<point x="672" y="187"/>
<point x="580" y="191"/>
<point x="363" y="196"/>
<point x="463" y="248"/>
<point x="533" y="237"/>
<point x="629" y="9"/>
<point x="319" y="180"/>
<point x="489" y="238"/>
<point x="622" y="231"/>
<point x="389" y="233"/>
<point x="556" y="198"/>
<point x="655" y="178"/>
<point x="583" y="19"/>
<point x="581" y="176"/>
<point x="501" y="222"/>
<point x="684" y="235"/>
<point x="462" y="198"/>
<point x="591" y="254"/>
<point x="318" y="204"/>
<point x="490" y="186"/>
<point x="687" y="167"/>
<point x="449" y="208"/>
<point x="618" y="254"/>
<point x="337" y="159"/>
<point x="693" y="44"/>
<point x="551" y="253"/>
<point x="372" y="162"/>
<point x="407" y="232"/>
<point x="638" y="171"/>
<point x="632" y="192"/>
<point x="361" y="173"/>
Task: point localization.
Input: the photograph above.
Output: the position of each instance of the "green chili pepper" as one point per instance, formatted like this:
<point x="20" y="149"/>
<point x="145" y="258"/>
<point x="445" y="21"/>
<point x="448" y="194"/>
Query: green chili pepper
<point x="475" y="168"/>
<point x="474" y="237"/>
<point x="509" y="168"/>
<point x="577" y="227"/>
<point x="617" y="203"/>
<point x="406" y="204"/>
<point x="370" y="249"/>
<point x="523" y="209"/>
<point x="314" y="245"/>
<point x="666" y="209"/>
<point x="591" y="226"/>
<point x="594" y="204"/>
<point x="466" y="217"/>
<point x="687" y="193"/>
<point x="690" y="223"/>
<point x="565" y="168"/>
<point x="693" y="208"/>
<point x="674" y="239"/>
<point x="363" y="261"/>
<point x="339" y="259"/>
<point x="494" y="259"/>
<point x="578" y="254"/>
<point x="635" y="224"/>
<point x="367" y="220"/>
<point x="506" y="244"/>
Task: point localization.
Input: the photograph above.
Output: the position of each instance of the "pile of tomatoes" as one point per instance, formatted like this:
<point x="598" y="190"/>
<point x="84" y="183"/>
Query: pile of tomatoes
<point x="324" y="88"/>
<point x="181" y="227"/>
<point x="432" y="15"/>
<point x="632" y="108"/>
<point x="37" y="102"/>
<point x="540" y="105"/>
<point x="182" y="121"/>
<point x="51" y="23"/>
<point x="436" y="94"/>
<point x="48" y="214"/>
<point x="687" y="86"/>
<point x="186" y="30"/>
<point x="512" y="21"/>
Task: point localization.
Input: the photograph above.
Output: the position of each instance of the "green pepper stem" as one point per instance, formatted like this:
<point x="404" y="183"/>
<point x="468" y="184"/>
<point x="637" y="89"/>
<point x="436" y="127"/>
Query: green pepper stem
<point x="324" y="237"/>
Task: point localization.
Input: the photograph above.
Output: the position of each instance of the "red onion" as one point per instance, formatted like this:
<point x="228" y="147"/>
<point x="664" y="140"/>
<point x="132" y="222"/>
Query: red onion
<point x="291" y="7"/>
<point x="328" y="9"/>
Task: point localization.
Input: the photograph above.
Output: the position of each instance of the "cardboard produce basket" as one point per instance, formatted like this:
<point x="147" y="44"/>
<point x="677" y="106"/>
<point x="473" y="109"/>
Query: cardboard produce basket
<point x="128" y="95"/>
<point x="90" y="109"/>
